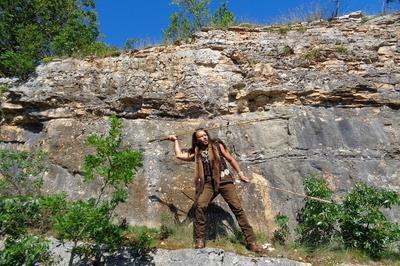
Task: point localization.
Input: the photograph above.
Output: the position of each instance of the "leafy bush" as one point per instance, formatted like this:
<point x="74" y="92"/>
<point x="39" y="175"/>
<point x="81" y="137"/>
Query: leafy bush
<point x="358" y="222"/>
<point x="363" y="224"/>
<point x="141" y="238"/>
<point x="22" y="171"/>
<point x="317" y="220"/>
<point x="29" y="250"/>
<point x="283" y="231"/>
<point x="90" y="229"/>
<point x="17" y="214"/>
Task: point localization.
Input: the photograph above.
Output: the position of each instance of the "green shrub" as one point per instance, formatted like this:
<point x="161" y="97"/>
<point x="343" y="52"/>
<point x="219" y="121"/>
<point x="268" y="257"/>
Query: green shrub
<point x="282" y="233"/>
<point x="29" y="250"/>
<point x="363" y="224"/>
<point x="97" y="49"/>
<point x="141" y="238"/>
<point x="237" y="237"/>
<point x="317" y="221"/>
<point x="90" y="228"/>
<point x="22" y="171"/>
<point x="314" y="55"/>
<point x="358" y="222"/>
<point x="286" y="51"/>
<point x="166" y="229"/>
<point x="17" y="214"/>
<point x="341" y="49"/>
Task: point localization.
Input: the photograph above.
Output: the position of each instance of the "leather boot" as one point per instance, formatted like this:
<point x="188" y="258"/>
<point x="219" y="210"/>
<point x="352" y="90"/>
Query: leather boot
<point x="199" y="244"/>
<point x="256" y="248"/>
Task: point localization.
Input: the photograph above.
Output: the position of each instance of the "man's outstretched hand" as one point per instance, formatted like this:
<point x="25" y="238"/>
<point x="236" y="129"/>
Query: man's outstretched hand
<point x="172" y="138"/>
<point x="244" y="179"/>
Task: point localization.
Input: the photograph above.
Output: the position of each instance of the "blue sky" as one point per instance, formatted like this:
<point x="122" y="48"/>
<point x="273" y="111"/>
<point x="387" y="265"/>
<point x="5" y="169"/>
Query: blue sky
<point x="145" y="19"/>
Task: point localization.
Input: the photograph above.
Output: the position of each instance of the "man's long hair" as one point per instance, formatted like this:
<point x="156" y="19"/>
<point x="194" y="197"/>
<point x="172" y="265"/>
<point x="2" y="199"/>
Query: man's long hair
<point x="195" y="143"/>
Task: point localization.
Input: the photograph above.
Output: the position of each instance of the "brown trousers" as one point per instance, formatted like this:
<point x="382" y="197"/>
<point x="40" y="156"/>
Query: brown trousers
<point x="228" y="192"/>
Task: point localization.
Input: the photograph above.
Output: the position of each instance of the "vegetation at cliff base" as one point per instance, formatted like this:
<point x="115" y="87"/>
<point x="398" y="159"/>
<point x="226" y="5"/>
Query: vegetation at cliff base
<point x="88" y="224"/>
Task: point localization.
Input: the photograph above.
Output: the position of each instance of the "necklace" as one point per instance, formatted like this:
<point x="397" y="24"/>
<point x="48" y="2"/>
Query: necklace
<point x="204" y="154"/>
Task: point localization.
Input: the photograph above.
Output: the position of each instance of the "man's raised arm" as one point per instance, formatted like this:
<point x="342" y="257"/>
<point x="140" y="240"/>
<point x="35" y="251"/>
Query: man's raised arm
<point x="184" y="156"/>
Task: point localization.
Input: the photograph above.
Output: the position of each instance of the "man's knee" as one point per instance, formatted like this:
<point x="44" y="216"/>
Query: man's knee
<point x="202" y="205"/>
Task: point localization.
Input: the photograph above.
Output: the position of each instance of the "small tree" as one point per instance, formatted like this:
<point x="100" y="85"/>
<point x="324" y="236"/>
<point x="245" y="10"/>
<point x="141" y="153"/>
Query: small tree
<point x="90" y="221"/>
<point x="194" y="15"/>
<point x="223" y="17"/>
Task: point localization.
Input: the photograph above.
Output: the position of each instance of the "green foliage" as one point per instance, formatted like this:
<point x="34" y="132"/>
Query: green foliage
<point x="194" y="15"/>
<point x="22" y="171"/>
<point x="357" y="223"/>
<point x="341" y="49"/>
<point x="166" y="229"/>
<point x="248" y="25"/>
<point x="362" y="223"/>
<point x="286" y="51"/>
<point x="3" y="89"/>
<point x="141" y="238"/>
<point x="313" y="55"/>
<point x="317" y="220"/>
<point x="223" y="17"/>
<point x="50" y="207"/>
<point x="91" y="222"/>
<point x="130" y="43"/>
<point x="115" y="167"/>
<point x="17" y="214"/>
<point x="96" y="49"/>
<point x="29" y="250"/>
<point x="282" y="233"/>
<point x="237" y="237"/>
<point x="35" y="29"/>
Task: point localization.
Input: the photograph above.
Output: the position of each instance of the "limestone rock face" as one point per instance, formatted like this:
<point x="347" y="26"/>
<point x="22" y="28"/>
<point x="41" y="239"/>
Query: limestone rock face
<point x="287" y="100"/>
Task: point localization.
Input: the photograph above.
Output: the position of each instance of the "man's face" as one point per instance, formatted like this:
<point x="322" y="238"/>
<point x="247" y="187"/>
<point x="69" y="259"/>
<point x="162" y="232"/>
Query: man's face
<point x="202" y="137"/>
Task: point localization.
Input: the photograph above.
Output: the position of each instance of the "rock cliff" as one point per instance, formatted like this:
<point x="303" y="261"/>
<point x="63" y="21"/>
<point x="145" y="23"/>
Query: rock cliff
<point x="288" y="101"/>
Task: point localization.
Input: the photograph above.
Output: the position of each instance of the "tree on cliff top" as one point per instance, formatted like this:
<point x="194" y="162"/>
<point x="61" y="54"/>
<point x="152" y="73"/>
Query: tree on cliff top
<point x="194" y="15"/>
<point x="33" y="29"/>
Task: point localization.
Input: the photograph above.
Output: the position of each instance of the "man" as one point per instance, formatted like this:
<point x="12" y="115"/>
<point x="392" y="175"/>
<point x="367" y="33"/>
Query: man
<point x="212" y="177"/>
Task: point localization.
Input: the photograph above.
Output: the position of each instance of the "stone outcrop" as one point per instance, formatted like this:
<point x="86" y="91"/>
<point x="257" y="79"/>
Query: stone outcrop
<point x="207" y="256"/>
<point x="288" y="100"/>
